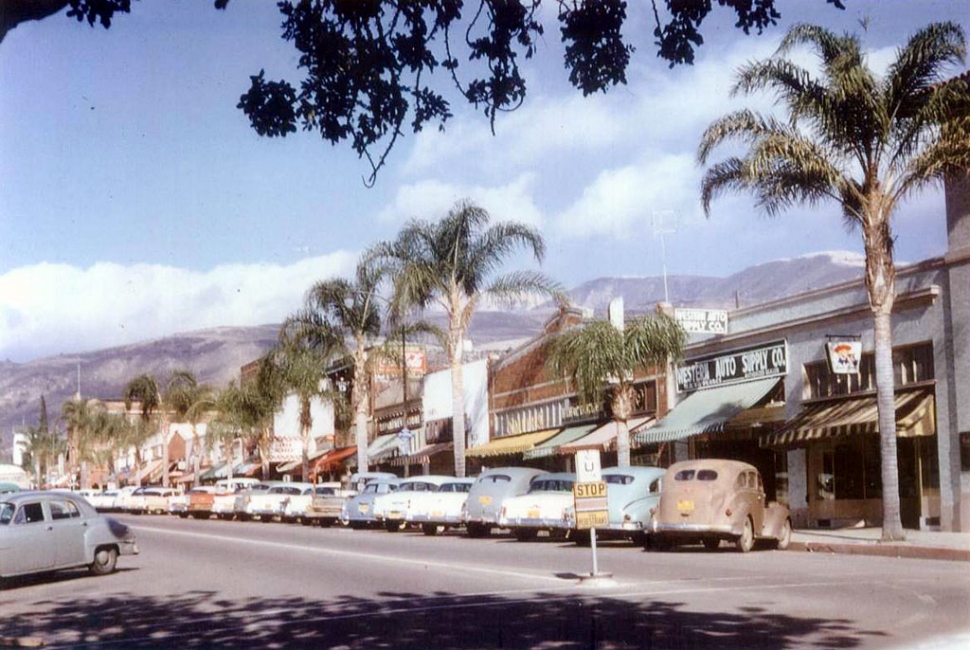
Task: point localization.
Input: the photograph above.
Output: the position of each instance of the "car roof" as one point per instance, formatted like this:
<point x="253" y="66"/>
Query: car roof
<point x="437" y="479"/>
<point x="17" y="498"/>
<point x="556" y="476"/>
<point x="514" y="471"/>
<point x="718" y="464"/>
<point x="649" y="473"/>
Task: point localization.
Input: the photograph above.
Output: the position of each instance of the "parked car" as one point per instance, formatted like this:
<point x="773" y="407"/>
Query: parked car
<point x="484" y="504"/>
<point x="48" y="531"/>
<point x="241" y="506"/>
<point x="632" y="494"/>
<point x="224" y="498"/>
<point x="392" y="508"/>
<point x="271" y="504"/>
<point x="437" y="511"/>
<point x="104" y="501"/>
<point x="326" y="507"/>
<point x="124" y="495"/>
<point x="179" y="504"/>
<point x="150" y="500"/>
<point x="709" y="500"/>
<point x="542" y="508"/>
<point x="358" y="510"/>
<point x="295" y="508"/>
<point x="200" y="502"/>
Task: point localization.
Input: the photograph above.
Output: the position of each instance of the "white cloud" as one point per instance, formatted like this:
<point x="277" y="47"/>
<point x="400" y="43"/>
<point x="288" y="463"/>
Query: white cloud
<point x="52" y="308"/>
<point x="430" y="200"/>
<point x="621" y="203"/>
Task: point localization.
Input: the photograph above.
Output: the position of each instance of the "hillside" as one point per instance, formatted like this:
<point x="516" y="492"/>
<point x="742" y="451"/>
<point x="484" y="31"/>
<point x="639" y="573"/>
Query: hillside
<point x="215" y="355"/>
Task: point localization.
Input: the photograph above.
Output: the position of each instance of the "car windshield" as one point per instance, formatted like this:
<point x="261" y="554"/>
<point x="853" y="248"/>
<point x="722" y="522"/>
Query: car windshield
<point x="456" y="487"/>
<point x="6" y="513"/>
<point x="551" y="485"/>
<point x="418" y="486"/>
<point x="285" y="490"/>
<point x="326" y="491"/>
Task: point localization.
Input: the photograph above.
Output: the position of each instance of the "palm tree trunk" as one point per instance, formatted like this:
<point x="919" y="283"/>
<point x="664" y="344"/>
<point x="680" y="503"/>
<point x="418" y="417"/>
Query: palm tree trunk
<point x="622" y="407"/>
<point x="892" y="527"/>
<point x="881" y="285"/>
<point x="457" y="401"/>
<point x="165" y="458"/>
<point x="361" y="397"/>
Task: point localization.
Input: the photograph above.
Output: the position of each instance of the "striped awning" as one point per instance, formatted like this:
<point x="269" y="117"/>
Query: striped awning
<point x="707" y="411"/>
<point x="422" y="454"/>
<point x="383" y="447"/>
<point x="551" y="446"/>
<point x="148" y="470"/>
<point x="915" y="416"/>
<point x="604" y="436"/>
<point x="512" y="444"/>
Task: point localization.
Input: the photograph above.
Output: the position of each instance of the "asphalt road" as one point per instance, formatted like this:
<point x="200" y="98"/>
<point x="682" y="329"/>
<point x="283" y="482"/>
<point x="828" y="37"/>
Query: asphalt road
<point x="215" y="584"/>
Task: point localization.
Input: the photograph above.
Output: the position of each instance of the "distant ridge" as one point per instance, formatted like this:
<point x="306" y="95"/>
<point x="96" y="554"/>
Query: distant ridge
<point x="215" y="355"/>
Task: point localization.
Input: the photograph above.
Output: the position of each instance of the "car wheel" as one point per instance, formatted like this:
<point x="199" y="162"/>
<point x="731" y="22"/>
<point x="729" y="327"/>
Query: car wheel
<point x="711" y="543"/>
<point x="580" y="537"/>
<point x="784" y="538"/>
<point x="431" y="529"/>
<point x="476" y="530"/>
<point x="184" y="515"/>
<point x="393" y="526"/>
<point x="325" y="523"/>
<point x="242" y="516"/>
<point x="105" y="559"/>
<point x="745" y="542"/>
<point x="525" y="534"/>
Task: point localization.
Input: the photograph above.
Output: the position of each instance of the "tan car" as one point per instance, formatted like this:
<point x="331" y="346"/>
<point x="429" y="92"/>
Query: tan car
<point x="711" y="500"/>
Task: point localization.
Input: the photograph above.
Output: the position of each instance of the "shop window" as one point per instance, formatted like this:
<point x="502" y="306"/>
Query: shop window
<point x="848" y="472"/>
<point x="872" y="462"/>
<point x="911" y="364"/>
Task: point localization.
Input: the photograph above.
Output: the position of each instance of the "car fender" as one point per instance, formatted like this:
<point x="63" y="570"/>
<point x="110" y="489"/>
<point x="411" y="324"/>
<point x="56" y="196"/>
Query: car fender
<point x="640" y="509"/>
<point x="775" y="516"/>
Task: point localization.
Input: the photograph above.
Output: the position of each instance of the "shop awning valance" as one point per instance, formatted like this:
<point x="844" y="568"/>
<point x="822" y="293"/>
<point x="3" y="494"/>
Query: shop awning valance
<point x="332" y="458"/>
<point x="147" y="470"/>
<point x="706" y="411"/>
<point x="604" y="436"/>
<point x="422" y="454"/>
<point x="551" y="446"/>
<point x="915" y="416"/>
<point x="512" y="444"/>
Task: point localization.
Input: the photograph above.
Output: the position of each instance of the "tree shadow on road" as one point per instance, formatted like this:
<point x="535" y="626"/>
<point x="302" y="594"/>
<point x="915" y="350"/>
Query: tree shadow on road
<point x="585" y="619"/>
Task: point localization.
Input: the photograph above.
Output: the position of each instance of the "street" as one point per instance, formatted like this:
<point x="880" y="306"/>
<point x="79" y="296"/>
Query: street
<point x="216" y="584"/>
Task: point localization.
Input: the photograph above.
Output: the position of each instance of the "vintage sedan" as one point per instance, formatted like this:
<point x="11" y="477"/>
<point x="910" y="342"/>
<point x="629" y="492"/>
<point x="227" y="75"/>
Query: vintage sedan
<point x="272" y="504"/>
<point x="543" y="508"/>
<point x="392" y="509"/>
<point x="484" y="504"/>
<point x="358" y="510"/>
<point x="632" y="495"/>
<point x="437" y="511"/>
<point x="709" y="500"/>
<point x="49" y="531"/>
<point x="150" y="500"/>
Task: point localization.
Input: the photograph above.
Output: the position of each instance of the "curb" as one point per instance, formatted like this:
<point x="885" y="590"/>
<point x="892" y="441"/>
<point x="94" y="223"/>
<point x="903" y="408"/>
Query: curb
<point x="884" y="550"/>
<point x="21" y="642"/>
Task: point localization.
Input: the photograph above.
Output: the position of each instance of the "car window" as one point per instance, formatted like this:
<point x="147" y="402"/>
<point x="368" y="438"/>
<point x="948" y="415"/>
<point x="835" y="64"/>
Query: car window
<point x="656" y="486"/>
<point x="684" y="475"/>
<point x="551" y="485"/>
<point x="371" y="488"/>
<point x="760" y="485"/>
<point x="618" y="479"/>
<point x="29" y="513"/>
<point x="6" y="513"/>
<point x="740" y="483"/>
<point x="456" y="487"/>
<point x="706" y="475"/>
<point x="63" y="510"/>
<point x="326" y="491"/>
<point x="495" y="478"/>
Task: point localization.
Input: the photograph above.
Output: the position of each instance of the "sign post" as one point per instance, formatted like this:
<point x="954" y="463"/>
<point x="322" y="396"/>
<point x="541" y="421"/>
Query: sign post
<point x="589" y="494"/>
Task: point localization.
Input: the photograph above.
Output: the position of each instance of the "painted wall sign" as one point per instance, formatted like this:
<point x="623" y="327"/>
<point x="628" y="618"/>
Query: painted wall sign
<point x="742" y="365"/>
<point x="844" y="357"/>
<point x="703" y="321"/>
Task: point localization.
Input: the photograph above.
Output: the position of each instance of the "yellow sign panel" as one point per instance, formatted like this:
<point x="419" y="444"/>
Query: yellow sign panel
<point x="595" y="490"/>
<point x="592" y="519"/>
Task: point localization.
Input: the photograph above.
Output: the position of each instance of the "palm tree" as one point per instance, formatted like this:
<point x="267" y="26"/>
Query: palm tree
<point x="451" y="263"/>
<point x="82" y="421"/>
<point x="601" y="359"/>
<point x="144" y="390"/>
<point x="334" y="311"/>
<point x="864" y="141"/>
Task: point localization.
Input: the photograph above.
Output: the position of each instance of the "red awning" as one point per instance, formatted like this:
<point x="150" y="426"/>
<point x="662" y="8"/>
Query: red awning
<point x="332" y="459"/>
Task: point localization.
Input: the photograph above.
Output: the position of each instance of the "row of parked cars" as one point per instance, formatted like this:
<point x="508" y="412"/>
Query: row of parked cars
<point x="701" y="501"/>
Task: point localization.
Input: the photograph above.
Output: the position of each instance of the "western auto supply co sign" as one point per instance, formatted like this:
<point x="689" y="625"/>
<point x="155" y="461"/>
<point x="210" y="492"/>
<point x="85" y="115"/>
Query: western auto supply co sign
<point x="734" y="367"/>
<point x="702" y="321"/>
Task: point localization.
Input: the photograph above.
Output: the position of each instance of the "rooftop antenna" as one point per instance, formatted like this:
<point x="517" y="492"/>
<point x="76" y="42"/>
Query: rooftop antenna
<point x="659" y="230"/>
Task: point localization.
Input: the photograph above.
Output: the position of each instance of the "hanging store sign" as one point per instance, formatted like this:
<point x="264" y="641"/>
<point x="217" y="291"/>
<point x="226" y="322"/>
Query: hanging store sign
<point x="702" y="321"/>
<point x="743" y="365"/>
<point x="844" y="357"/>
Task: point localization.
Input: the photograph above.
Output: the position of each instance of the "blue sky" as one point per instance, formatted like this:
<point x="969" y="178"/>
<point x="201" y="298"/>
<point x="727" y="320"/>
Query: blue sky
<point x="136" y="201"/>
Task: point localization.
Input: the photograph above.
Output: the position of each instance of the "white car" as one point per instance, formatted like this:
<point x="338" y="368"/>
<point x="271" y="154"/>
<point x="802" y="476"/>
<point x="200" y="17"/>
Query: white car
<point x="436" y="511"/>
<point x="546" y="506"/>
<point x="392" y="508"/>
<point x="297" y="506"/>
<point x="104" y="501"/>
<point x="271" y="504"/>
<point x="150" y="500"/>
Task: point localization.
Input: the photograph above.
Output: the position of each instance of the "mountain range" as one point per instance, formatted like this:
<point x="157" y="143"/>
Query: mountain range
<point x="216" y="355"/>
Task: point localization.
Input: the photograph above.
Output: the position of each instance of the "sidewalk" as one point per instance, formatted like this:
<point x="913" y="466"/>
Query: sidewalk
<point x="920" y="544"/>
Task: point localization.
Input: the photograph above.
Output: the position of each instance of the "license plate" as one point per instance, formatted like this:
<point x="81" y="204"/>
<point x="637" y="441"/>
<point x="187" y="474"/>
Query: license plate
<point x="394" y="514"/>
<point x="685" y="505"/>
<point x="534" y="514"/>
<point x="484" y="500"/>
<point x="364" y="507"/>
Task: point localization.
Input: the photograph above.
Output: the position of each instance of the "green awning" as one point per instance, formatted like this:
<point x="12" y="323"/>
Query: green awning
<point x="706" y="411"/>
<point x="383" y="446"/>
<point x="567" y="435"/>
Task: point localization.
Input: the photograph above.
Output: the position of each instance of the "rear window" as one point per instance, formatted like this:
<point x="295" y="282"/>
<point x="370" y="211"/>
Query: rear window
<point x="707" y="475"/>
<point x="456" y="487"/>
<point x="551" y="485"/>
<point x="618" y="479"/>
<point x="685" y="475"/>
<point x="419" y="486"/>
<point x="495" y="478"/>
<point x="700" y="475"/>
<point x="326" y="491"/>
